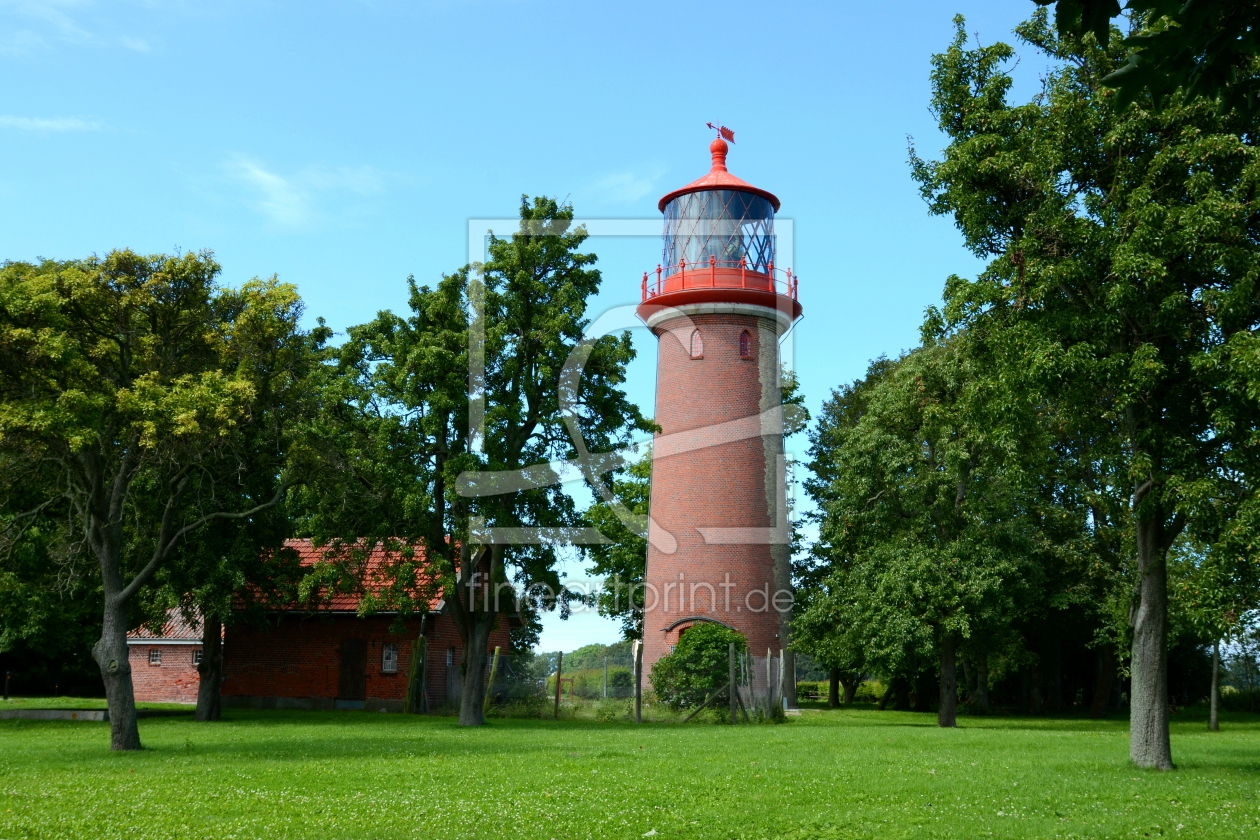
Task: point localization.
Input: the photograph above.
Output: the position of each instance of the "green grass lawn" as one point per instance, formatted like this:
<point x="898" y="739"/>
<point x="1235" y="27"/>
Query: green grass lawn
<point x="824" y="775"/>
<point x="79" y="703"/>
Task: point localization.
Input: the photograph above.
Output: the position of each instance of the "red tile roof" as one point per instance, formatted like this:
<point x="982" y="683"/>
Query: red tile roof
<point x="176" y="629"/>
<point x="375" y="574"/>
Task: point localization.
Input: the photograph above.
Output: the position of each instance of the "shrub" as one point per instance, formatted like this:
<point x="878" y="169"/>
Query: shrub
<point x="607" y="711"/>
<point x="1233" y="700"/>
<point x="697" y="667"/>
<point x="811" y="690"/>
<point x="870" y="691"/>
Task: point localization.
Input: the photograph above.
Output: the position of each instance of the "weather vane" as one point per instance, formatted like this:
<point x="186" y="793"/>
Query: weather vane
<point x="722" y="131"/>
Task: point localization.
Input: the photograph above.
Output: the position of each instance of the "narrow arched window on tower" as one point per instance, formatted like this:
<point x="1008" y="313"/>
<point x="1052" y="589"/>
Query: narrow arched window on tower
<point x="697" y="345"/>
<point x="745" y="345"/>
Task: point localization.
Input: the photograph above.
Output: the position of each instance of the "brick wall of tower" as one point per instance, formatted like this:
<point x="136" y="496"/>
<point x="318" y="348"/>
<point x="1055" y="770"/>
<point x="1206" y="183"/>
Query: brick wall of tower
<point x="728" y="485"/>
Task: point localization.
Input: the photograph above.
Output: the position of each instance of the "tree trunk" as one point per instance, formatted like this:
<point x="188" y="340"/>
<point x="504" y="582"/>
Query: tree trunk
<point x="923" y="691"/>
<point x="833" y="689"/>
<point x="1105" y="682"/>
<point x="1214" y="723"/>
<point x="111" y="654"/>
<point x="1036" y="697"/>
<point x="947" y="712"/>
<point x="1149" y="744"/>
<point x="1056" y="672"/>
<point x="473" y="671"/>
<point x="980" y="702"/>
<point x="210" y="669"/>
<point x="902" y="691"/>
<point x="888" y="693"/>
<point x="850" y="687"/>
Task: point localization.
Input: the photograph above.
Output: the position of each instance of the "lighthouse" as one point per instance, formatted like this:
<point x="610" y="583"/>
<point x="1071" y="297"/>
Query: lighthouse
<point x="718" y="539"/>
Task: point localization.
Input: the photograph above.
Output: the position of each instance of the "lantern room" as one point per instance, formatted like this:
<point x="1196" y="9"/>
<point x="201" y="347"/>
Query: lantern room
<point x="719" y="244"/>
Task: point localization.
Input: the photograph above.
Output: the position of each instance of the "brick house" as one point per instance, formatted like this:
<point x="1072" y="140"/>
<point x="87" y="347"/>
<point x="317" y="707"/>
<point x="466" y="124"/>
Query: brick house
<point x="331" y="658"/>
<point x="164" y="664"/>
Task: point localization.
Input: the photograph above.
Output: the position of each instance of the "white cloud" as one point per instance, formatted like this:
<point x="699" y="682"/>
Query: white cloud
<point x="55" y="13"/>
<point x="30" y="25"/>
<point x="276" y="197"/>
<point x="50" y="123"/>
<point x="291" y="200"/>
<point x="626" y="187"/>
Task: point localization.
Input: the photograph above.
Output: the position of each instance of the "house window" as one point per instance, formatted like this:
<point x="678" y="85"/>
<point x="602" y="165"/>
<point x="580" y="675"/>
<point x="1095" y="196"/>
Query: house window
<point x="196" y="657"/>
<point x="450" y="657"/>
<point x="155" y="656"/>
<point x="697" y="345"/>
<point x="745" y="345"/>
<point x="389" y="658"/>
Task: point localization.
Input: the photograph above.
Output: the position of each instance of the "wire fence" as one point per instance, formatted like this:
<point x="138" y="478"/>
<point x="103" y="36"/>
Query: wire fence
<point x="759" y="687"/>
<point x="525" y="684"/>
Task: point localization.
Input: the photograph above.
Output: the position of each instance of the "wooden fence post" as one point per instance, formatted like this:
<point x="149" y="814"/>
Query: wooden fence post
<point x="638" y="681"/>
<point x="732" y="687"/>
<point x="559" y="664"/>
<point x="494" y="669"/>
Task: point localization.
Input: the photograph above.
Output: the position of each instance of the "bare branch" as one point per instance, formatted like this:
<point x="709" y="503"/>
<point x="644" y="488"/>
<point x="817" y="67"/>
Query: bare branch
<point x="162" y="551"/>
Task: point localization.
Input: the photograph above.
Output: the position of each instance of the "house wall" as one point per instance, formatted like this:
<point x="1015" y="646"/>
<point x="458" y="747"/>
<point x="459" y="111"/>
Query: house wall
<point x="174" y="681"/>
<point x="294" y="661"/>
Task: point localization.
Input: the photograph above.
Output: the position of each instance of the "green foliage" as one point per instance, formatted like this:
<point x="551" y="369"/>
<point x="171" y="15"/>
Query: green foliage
<point x="924" y="530"/>
<point x="623" y="561"/>
<point x="870" y="691"/>
<point x="698" y="665"/>
<point x="1205" y="48"/>
<point x="593" y="656"/>
<point x="804" y="690"/>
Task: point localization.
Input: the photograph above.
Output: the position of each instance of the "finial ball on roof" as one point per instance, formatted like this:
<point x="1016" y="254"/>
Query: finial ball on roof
<point x="719" y="147"/>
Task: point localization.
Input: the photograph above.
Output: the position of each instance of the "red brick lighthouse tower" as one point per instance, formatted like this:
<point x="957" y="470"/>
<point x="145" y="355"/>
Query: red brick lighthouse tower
<point x="718" y="541"/>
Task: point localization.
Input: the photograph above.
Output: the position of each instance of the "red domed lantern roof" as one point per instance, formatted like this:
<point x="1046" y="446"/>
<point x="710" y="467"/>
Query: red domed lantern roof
<point x="719" y="179"/>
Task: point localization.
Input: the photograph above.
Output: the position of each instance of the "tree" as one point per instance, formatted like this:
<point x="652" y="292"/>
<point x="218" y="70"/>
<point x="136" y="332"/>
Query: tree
<point x="123" y="389"/>
<point x="1123" y="258"/>
<point x="917" y="508"/>
<point x="409" y="469"/>
<point x="697" y="666"/>
<point x="1204" y="49"/>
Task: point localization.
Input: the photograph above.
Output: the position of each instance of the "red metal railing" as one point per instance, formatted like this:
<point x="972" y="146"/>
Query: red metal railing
<point x="719" y="274"/>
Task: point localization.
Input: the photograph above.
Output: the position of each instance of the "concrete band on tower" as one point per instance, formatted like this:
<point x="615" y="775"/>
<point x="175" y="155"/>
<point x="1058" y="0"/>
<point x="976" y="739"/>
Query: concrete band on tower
<point x="719" y="548"/>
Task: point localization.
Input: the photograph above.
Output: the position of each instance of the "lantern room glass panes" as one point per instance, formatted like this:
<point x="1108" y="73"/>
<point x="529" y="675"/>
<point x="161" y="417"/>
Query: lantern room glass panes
<point x="726" y="225"/>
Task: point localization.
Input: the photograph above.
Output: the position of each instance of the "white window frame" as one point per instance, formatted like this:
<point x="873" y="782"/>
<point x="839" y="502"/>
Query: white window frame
<point x="155" y="656"/>
<point x="389" y="658"/>
<point x="197" y="656"/>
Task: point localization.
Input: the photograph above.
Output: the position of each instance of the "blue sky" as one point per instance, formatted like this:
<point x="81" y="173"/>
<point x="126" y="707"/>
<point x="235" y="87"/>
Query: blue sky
<point x="346" y="145"/>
